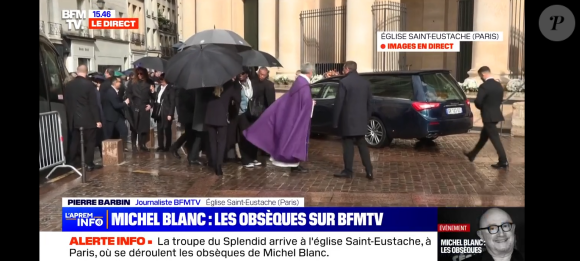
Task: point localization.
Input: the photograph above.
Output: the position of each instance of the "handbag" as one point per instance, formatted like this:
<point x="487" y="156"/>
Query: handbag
<point x="255" y="108"/>
<point x="156" y="113"/>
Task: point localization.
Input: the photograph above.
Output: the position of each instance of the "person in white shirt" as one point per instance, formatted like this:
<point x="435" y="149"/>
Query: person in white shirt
<point x="163" y="113"/>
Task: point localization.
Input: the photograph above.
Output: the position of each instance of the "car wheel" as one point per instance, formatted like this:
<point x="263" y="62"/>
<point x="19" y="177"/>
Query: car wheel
<point x="426" y="139"/>
<point x="377" y="136"/>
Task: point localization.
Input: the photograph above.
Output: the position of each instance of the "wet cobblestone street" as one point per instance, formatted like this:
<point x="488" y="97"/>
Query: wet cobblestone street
<point x="406" y="174"/>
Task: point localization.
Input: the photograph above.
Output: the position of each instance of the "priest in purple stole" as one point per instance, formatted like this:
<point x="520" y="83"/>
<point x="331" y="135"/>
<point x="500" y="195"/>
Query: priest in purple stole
<point x="283" y="129"/>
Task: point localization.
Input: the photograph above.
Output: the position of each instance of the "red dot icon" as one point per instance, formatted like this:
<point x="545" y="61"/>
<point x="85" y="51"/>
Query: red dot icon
<point x="150" y="242"/>
<point x="383" y="46"/>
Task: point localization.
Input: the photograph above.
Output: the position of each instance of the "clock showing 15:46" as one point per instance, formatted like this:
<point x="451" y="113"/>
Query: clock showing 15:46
<point x="102" y="14"/>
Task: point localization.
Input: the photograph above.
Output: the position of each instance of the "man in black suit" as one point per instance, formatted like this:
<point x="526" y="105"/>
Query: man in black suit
<point x="216" y="122"/>
<point x="352" y="111"/>
<point x="163" y="112"/>
<point x="106" y="84"/>
<point x="488" y="101"/>
<point x="82" y="111"/>
<point x="114" y="112"/>
<point x="250" y="90"/>
<point x="185" y="104"/>
<point x="267" y="85"/>
<point x="498" y="231"/>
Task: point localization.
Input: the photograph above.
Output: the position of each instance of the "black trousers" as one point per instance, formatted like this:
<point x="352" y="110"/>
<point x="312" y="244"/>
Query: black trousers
<point x="89" y="139"/>
<point x="142" y="138"/>
<point x="185" y="139"/>
<point x="490" y="131"/>
<point x="164" y="135"/>
<point x="116" y="126"/>
<point x="348" y="153"/>
<point x="217" y="144"/>
<point x="248" y="151"/>
<point x="199" y="143"/>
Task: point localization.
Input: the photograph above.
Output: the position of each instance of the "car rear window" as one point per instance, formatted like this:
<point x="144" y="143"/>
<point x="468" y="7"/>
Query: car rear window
<point x="440" y="87"/>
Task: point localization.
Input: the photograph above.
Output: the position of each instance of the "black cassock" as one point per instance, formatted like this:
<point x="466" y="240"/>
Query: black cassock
<point x="140" y="96"/>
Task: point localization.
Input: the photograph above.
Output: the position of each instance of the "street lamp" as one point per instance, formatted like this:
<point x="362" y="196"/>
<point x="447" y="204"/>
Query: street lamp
<point x="101" y="4"/>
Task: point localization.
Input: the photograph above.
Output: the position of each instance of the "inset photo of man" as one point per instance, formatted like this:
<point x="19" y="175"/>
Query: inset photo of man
<point x="495" y="234"/>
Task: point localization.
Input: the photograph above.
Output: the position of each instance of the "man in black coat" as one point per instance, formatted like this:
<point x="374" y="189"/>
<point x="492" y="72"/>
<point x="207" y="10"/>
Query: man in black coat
<point x="185" y="102"/>
<point x="488" y="101"/>
<point x="352" y="111"/>
<point x="267" y="85"/>
<point x="106" y="84"/>
<point x="82" y="110"/>
<point x="114" y="110"/>
<point x="164" y="112"/>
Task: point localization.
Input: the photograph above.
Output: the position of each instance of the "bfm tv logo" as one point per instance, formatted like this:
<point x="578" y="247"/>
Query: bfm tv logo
<point x="85" y="219"/>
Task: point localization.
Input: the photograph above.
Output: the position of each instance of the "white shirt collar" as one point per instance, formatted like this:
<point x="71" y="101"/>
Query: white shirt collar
<point x="305" y="77"/>
<point x="248" y="82"/>
<point x="115" y="89"/>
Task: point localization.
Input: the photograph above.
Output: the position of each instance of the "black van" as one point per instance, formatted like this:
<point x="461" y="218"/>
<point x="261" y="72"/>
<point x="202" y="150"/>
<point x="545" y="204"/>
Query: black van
<point x="52" y="74"/>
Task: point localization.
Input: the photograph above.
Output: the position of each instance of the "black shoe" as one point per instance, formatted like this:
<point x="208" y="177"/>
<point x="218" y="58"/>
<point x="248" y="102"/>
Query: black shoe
<point x="499" y="165"/>
<point x="160" y="149"/>
<point x="218" y="170"/>
<point x="370" y="175"/>
<point x="195" y="162"/>
<point x="93" y="167"/>
<point x="343" y="175"/>
<point x="299" y="169"/>
<point x="144" y="149"/>
<point x="469" y="156"/>
<point x="175" y="154"/>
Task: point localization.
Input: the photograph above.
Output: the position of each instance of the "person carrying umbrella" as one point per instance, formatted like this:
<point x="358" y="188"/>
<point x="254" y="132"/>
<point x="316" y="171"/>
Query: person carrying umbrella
<point x="98" y="80"/>
<point x="202" y="68"/>
<point x="216" y="122"/>
<point x="140" y="93"/>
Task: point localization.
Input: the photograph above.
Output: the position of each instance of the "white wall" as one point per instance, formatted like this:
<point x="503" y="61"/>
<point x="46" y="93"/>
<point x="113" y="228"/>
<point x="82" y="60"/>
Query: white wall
<point x="111" y="53"/>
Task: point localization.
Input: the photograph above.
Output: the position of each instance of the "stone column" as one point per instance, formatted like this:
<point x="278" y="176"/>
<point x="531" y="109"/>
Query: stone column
<point x="267" y="31"/>
<point x="205" y="15"/>
<point x="188" y="17"/>
<point x="289" y="35"/>
<point x="491" y="16"/>
<point x="359" y="34"/>
<point x="519" y="119"/>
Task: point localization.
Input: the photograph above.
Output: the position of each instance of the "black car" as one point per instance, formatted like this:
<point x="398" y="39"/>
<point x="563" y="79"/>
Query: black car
<point x="420" y="105"/>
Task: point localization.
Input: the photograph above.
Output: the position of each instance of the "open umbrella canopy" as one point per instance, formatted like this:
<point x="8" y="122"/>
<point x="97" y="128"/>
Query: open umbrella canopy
<point x="218" y="37"/>
<point x="98" y="78"/>
<point x="119" y="74"/>
<point x="154" y="63"/>
<point x="128" y="72"/>
<point x="206" y="66"/>
<point x="178" y="45"/>
<point x="259" y="58"/>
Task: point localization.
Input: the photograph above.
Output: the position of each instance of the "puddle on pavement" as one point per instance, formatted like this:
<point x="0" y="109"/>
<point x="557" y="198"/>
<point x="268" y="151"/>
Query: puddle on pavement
<point x="150" y="172"/>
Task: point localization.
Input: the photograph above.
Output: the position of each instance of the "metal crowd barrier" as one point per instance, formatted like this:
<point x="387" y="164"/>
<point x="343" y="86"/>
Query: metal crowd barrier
<point x="51" y="148"/>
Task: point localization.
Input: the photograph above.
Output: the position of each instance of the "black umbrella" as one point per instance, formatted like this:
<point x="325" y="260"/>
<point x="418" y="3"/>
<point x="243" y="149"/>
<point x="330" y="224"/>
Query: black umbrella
<point x="154" y="63"/>
<point x="178" y="45"/>
<point x="218" y="37"/>
<point x="259" y="58"/>
<point x="206" y="66"/>
<point x="128" y="72"/>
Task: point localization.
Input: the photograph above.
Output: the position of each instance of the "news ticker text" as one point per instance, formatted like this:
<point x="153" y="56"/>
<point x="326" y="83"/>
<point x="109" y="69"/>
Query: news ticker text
<point x="205" y="245"/>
